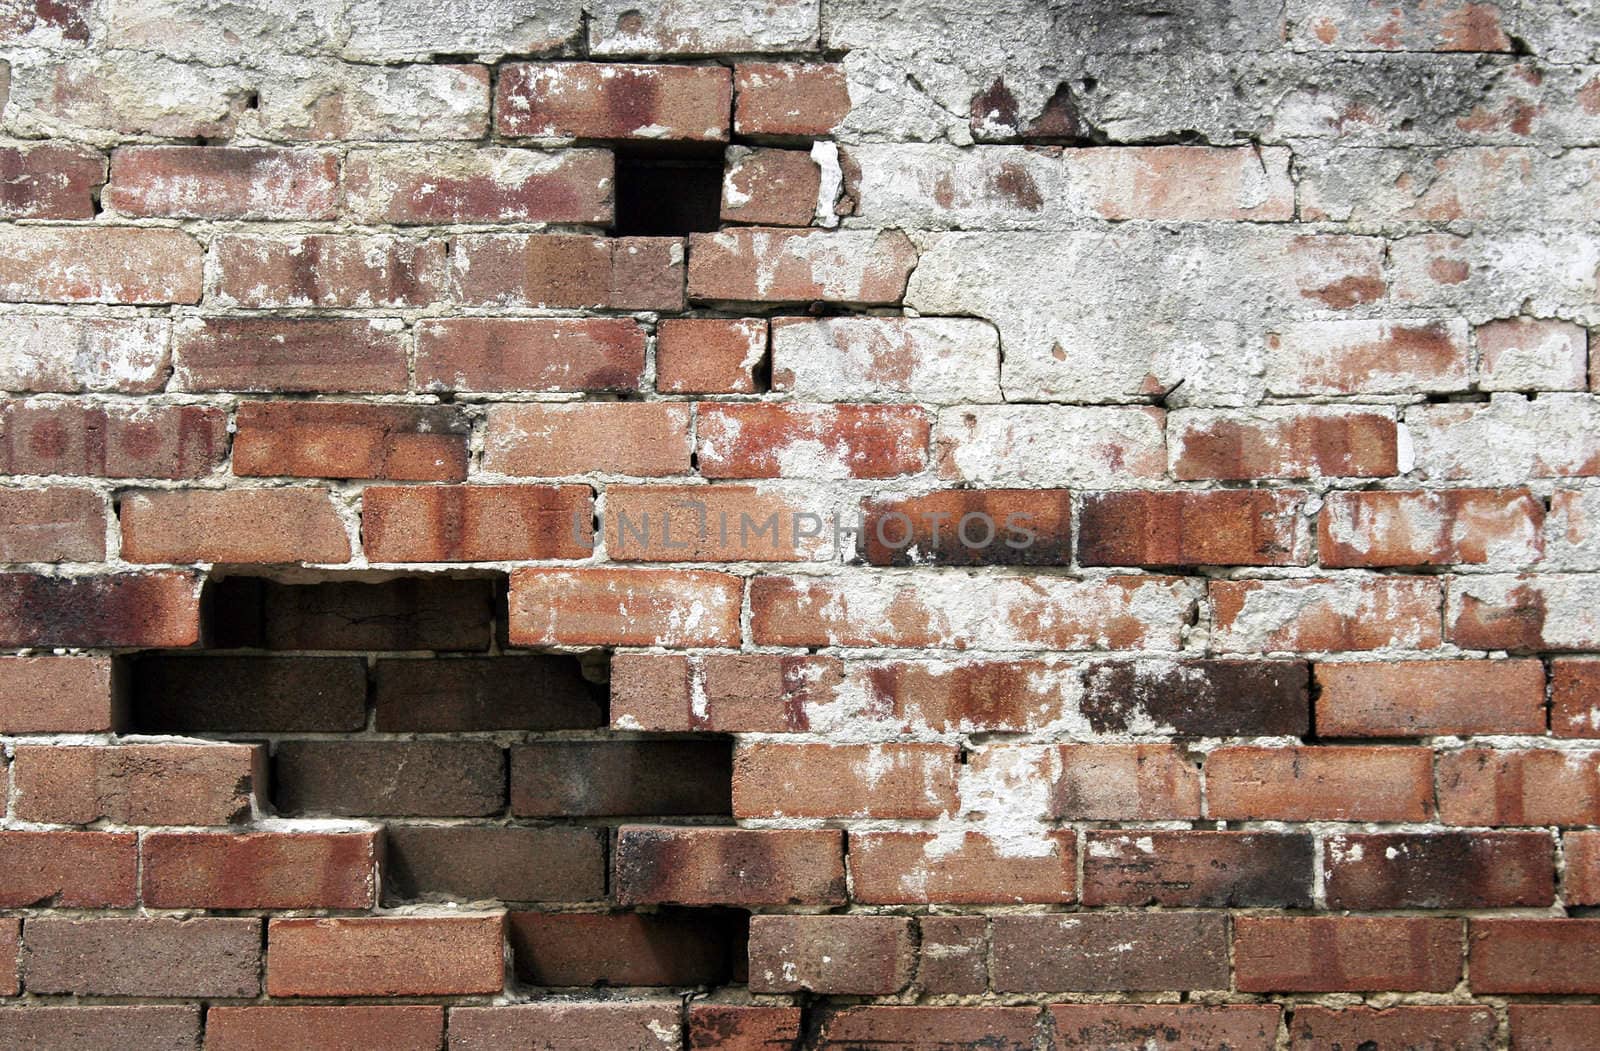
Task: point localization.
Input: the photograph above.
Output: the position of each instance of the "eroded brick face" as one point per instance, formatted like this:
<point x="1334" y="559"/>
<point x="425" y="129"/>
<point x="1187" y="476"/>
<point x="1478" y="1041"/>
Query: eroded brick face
<point x="799" y="525"/>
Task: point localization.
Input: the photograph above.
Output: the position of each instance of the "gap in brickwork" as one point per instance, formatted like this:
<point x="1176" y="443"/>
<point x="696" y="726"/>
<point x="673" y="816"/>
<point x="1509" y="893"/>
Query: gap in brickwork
<point x="668" y="192"/>
<point x="492" y="770"/>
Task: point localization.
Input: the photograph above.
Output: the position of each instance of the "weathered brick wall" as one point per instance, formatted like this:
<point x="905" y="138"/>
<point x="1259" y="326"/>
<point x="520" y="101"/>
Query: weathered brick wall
<point x="424" y="430"/>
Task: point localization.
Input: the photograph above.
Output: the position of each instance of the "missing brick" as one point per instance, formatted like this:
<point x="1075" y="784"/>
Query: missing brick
<point x="668" y="193"/>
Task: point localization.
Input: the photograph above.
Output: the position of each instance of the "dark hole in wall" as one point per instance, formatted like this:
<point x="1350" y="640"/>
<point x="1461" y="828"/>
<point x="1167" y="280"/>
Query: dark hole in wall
<point x="668" y="194"/>
<point x="397" y="700"/>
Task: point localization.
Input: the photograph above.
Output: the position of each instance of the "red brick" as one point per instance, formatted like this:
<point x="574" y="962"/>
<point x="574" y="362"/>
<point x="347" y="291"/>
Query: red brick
<point x="73" y="354"/>
<point x="592" y="100"/>
<point x="911" y="1028"/>
<point x="255" y="526"/>
<point x="741" y="1027"/>
<point x="856" y="955"/>
<point x="770" y="187"/>
<point x="1302" y="441"/>
<point x="1118" y="782"/>
<point x="160" y="609"/>
<point x="1581" y="883"/>
<point x="1552" y="1027"/>
<point x="1552" y="611"/>
<point x="329" y="270"/>
<point x="709" y="355"/>
<point x="111" y="441"/>
<point x="811" y="441"/>
<point x="1533" y="956"/>
<point x="312" y="355"/>
<point x="1109" y="952"/>
<point x="102" y="264"/>
<point x="1524" y="353"/>
<point x="491" y="184"/>
<point x="1439" y="870"/>
<point x="1575" y="697"/>
<point x="561" y="271"/>
<point x="1486" y="786"/>
<point x="59" y="695"/>
<point x="710" y="523"/>
<point x="1326" y="613"/>
<point x="722" y="693"/>
<point x="624" y="607"/>
<point x="1321" y="783"/>
<point x="204" y="693"/>
<point x="964" y="696"/>
<point x="50" y="180"/>
<point x="1235" y="527"/>
<point x="223" y="182"/>
<point x="71" y="870"/>
<point x="924" y="868"/>
<point x="144" y="956"/>
<point x="525" y="692"/>
<point x="634" y="1025"/>
<point x="1201" y="698"/>
<point x="48" y="24"/>
<point x="476" y="523"/>
<point x="137" y="784"/>
<point x="1204" y="868"/>
<point x="568" y="950"/>
<point x="728" y="866"/>
<point x="148" y="1027"/>
<point x="1136" y="1027"/>
<point x="639" y="439"/>
<point x="775" y="265"/>
<point x="492" y="863"/>
<point x="1005" y="613"/>
<point x="386" y="956"/>
<point x="789" y="99"/>
<point x="1430" y="698"/>
<point x="953" y="954"/>
<point x="1346" y="953"/>
<point x="317" y="439"/>
<point x="1467" y="526"/>
<point x="10" y="958"/>
<point x="617" y="778"/>
<point x="530" y="354"/>
<point x="410" y="1027"/>
<point x="838" y="781"/>
<point x="259" y="870"/>
<point x="56" y="524"/>
<point x="1459" y="26"/>
<point x="1367" y="357"/>
<point x="1466" y="1028"/>
<point x="413" y="778"/>
<point x="969" y="527"/>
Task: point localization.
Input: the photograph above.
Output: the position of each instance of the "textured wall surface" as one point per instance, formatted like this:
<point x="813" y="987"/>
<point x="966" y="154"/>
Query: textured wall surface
<point x="617" y="525"/>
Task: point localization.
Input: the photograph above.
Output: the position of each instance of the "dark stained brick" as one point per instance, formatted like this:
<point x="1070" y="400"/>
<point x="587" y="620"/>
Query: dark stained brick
<point x="1221" y="698"/>
<point x="471" y="863"/>
<point x="619" y="778"/>
<point x="384" y="778"/>
<point x="545" y="692"/>
<point x="249" y="694"/>
<point x="1439" y="870"/>
<point x="1199" y="868"/>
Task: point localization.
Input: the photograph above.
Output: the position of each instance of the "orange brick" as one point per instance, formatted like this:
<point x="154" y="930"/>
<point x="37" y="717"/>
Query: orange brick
<point x="1282" y="442"/>
<point x="54" y="524"/>
<point x="1320" y="783"/>
<point x="318" y="439"/>
<point x="1484" y="786"/>
<point x="591" y="100"/>
<point x="1236" y="527"/>
<point x="710" y="523"/>
<point x="223" y="182"/>
<point x="640" y="439"/>
<point x="100" y="264"/>
<point x="922" y="868"/>
<point x="386" y="956"/>
<point x="329" y="270"/>
<point x="709" y="355"/>
<point x="770" y="187"/>
<point x="138" y="784"/>
<point x="259" y="870"/>
<point x="476" y="523"/>
<point x="1430" y="698"/>
<point x="776" y="265"/>
<point x="969" y="527"/>
<point x="424" y="185"/>
<point x="71" y="870"/>
<point x="1119" y="782"/>
<point x="313" y="355"/>
<point x="1575" y="697"/>
<point x="837" y="781"/>
<point x="409" y="1027"/>
<point x="789" y="99"/>
<point x="59" y="695"/>
<point x="258" y="526"/>
<point x="624" y="607"/>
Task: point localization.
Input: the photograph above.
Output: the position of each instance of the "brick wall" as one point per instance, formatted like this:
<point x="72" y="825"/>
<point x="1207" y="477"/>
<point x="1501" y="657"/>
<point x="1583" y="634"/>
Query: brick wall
<point x="799" y="524"/>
